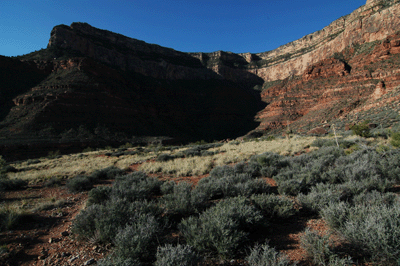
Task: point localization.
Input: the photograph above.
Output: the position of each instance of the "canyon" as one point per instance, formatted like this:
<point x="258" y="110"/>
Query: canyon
<point x="92" y="87"/>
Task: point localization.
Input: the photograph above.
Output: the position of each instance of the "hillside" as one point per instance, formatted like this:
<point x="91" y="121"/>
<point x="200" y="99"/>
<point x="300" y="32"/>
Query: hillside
<point x="93" y="87"/>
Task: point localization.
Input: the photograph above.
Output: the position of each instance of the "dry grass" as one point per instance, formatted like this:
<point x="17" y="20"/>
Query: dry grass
<point x="232" y="152"/>
<point x="72" y="165"/>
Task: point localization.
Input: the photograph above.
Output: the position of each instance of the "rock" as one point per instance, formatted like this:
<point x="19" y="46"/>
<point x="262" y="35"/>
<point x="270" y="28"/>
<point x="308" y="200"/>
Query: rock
<point x="65" y="254"/>
<point x="317" y="131"/>
<point x="90" y="262"/>
<point x="74" y="258"/>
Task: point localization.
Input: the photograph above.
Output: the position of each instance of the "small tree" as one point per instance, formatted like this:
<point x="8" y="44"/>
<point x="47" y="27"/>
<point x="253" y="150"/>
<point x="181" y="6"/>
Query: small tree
<point x="395" y="139"/>
<point x="361" y="129"/>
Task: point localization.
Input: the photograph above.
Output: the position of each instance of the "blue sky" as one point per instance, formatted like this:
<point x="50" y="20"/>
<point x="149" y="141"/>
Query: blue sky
<point x="189" y="26"/>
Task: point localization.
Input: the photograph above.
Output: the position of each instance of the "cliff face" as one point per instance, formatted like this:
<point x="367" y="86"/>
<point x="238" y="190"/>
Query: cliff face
<point x="364" y="84"/>
<point x="374" y="21"/>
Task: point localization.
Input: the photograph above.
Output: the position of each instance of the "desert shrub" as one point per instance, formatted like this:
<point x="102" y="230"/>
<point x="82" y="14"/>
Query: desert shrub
<point x="10" y="218"/>
<point x="184" y="255"/>
<point x="318" y="248"/>
<point x="116" y="261"/>
<point x="343" y="143"/>
<point x="138" y="240"/>
<point x="376" y="198"/>
<point x="269" y="171"/>
<point x="99" y="195"/>
<point x="274" y="207"/>
<point x="361" y="129"/>
<point x="54" y="154"/>
<point x="371" y="224"/>
<point x="102" y="222"/>
<point x="6" y="168"/>
<point x="335" y="214"/>
<point x="380" y="132"/>
<point x="291" y="187"/>
<point x="373" y="229"/>
<point x="107" y="173"/>
<point x="52" y="182"/>
<point x="231" y="186"/>
<point x="167" y="187"/>
<point x="395" y="139"/>
<point x="79" y="184"/>
<point x="264" y="255"/>
<point x="321" y="195"/>
<point x="307" y="170"/>
<point x="270" y="159"/>
<point x="251" y="168"/>
<point x="183" y="201"/>
<point x="221" y="171"/>
<point x="84" y="225"/>
<point x="165" y="157"/>
<point x="52" y="204"/>
<point x="136" y="186"/>
<point x="7" y="184"/>
<point x="223" y="227"/>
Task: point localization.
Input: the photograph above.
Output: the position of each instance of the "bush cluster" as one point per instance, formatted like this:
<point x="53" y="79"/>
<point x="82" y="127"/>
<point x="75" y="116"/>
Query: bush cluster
<point x="138" y="208"/>
<point x="84" y="183"/>
<point x="223" y="228"/>
<point x="219" y="217"/>
<point x="264" y="255"/>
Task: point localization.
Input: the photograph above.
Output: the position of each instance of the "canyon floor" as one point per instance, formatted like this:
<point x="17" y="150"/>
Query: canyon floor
<point x="43" y="236"/>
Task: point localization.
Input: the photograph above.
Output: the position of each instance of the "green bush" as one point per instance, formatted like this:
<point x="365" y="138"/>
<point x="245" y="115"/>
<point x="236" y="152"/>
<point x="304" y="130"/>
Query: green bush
<point x="136" y="186"/>
<point x="138" y="240"/>
<point x="5" y="168"/>
<point x="107" y="173"/>
<point x="371" y="224"/>
<point x="52" y="182"/>
<point x="165" y="157"/>
<point x="375" y="230"/>
<point x="79" y="184"/>
<point x="321" y="195"/>
<point x="183" y="201"/>
<point x="274" y="207"/>
<point x="103" y="222"/>
<point x="361" y="129"/>
<point x="99" y="195"/>
<point x="231" y="186"/>
<point x="395" y="139"/>
<point x="7" y="184"/>
<point x="10" y="218"/>
<point x="318" y="248"/>
<point x="290" y="187"/>
<point x="116" y="261"/>
<point x="167" y="187"/>
<point x="222" y="228"/>
<point x="265" y="255"/>
<point x="183" y="255"/>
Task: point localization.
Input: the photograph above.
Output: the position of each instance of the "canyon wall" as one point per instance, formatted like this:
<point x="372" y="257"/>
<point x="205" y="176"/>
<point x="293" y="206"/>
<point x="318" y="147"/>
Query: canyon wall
<point x="374" y="21"/>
